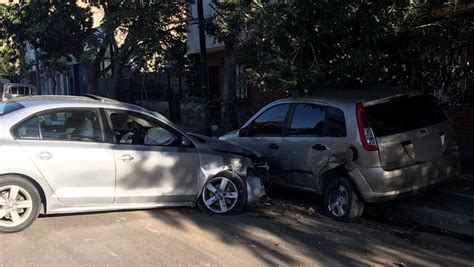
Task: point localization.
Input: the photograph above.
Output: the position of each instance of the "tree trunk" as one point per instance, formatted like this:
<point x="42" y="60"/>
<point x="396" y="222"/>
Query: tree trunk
<point x="38" y="73"/>
<point x="177" y="100"/>
<point x="115" y="80"/>
<point x="53" y="80"/>
<point x="228" y="103"/>
<point x="174" y="99"/>
<point x="92" y="75"/>
<point x="93" y="71"/>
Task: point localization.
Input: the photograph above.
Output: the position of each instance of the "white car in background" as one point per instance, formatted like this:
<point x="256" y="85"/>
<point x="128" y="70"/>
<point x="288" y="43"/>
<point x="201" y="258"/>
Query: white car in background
<point x="12" y="90"/>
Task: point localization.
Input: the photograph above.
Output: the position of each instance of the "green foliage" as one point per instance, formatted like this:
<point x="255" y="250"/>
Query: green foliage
<point x="143" y="34"/>
<point x="296" y="45"/>
<point x="229" y="23"/>
<point x="56" y="29"/>
<point x="138" y="35"/>
<point x="10" y="63"/>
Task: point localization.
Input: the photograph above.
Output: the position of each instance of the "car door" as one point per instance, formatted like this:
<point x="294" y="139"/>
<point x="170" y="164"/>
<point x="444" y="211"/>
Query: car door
<point x="301" y="152"/>
<point x="67" y="146"/>
<point x="265" y="134"/>
<point x="152" y="164"/>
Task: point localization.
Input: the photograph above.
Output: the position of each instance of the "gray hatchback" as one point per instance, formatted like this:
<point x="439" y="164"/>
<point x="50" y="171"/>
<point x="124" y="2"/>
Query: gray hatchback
<point x="354" y="146"/>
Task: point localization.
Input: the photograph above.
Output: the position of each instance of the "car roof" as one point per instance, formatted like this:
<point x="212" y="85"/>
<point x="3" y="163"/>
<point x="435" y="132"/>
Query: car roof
<point x="66" y="100"/>
<point x="356" y="95"/>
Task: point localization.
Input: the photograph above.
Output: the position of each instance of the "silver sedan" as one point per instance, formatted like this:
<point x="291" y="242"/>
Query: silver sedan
<point x="82" y="154"/>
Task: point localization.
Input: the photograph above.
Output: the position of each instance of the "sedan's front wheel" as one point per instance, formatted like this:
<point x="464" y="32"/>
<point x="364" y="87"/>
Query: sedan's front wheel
<point x="224" y="194"/>
<point x="19" y="204"/>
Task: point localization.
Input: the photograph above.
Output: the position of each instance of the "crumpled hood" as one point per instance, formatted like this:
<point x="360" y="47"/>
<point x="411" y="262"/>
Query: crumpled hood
<point x="226" y="147"/>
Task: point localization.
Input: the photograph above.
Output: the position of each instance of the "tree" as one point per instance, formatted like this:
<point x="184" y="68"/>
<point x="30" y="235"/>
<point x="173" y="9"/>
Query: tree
<point x="135" y="35"/>
<point x="302" y="45"/>
<point x="42" y="25"/>
<point x="228" y="27"/>
<point x="10" y="63"/>
<point x="140" y="36"/>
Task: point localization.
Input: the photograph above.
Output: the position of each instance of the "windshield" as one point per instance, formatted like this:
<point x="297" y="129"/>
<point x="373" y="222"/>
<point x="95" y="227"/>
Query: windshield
<point x="7" y="107"/>
<point x="404" y="114"/>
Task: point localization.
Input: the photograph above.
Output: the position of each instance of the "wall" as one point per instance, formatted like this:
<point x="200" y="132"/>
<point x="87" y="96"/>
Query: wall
<point x="193" y="31"/>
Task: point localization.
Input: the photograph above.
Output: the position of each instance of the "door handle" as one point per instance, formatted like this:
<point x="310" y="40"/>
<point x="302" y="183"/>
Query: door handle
<point x="273" y="146"/>
<point x="320" y="147"/>
<point x="45" y="155"/>
<point x="126" y="158"/>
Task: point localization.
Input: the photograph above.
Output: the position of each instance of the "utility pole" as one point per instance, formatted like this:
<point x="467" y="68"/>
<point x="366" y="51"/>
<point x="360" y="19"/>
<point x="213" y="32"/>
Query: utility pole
<point x="204" y="74"/>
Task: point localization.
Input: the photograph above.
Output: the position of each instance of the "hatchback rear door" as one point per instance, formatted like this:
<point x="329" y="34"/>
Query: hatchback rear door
<point x="316" y="131"/>
<point x="409" y="130"/>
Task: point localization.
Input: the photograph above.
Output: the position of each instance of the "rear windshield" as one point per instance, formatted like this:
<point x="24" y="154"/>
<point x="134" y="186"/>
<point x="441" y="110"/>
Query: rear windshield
<point x="7" y="107"/>
<point x="404" y="114"/>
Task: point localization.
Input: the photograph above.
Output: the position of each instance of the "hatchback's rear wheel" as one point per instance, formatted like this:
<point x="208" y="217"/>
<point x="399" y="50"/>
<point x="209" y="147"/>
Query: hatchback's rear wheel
<point x="223" y="194"/>
<point x="341" y="201"/>
<point x="19" y="204"/>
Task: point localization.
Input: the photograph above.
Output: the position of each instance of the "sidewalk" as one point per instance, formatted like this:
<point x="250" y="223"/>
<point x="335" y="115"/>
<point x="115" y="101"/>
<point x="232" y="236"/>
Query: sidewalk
<point x="449" y="208"/>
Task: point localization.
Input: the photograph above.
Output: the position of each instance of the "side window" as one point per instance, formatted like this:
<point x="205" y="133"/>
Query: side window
<point x="139" y="130"/>
<point x="337" y="123"/>
<point x="270" y="122"/>
<point x="73" y="125"/>
<point x="27" y="130"/>
<point x="308" y="119"/>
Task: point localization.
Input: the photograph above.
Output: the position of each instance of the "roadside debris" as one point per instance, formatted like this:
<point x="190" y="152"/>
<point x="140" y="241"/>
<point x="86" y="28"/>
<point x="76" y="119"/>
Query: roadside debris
<point x="401" y="264"/>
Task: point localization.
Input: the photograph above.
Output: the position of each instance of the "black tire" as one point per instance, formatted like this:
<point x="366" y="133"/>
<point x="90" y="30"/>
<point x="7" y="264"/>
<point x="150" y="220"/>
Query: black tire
<point x="353" y="208"/>
<point x="30" y="189"/>
<point x="241" y="190"/>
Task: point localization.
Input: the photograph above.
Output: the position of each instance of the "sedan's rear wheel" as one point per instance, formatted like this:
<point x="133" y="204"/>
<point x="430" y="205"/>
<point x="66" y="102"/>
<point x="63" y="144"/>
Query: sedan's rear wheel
<point x="223" y="194"/>
<point x="19" y="204"/>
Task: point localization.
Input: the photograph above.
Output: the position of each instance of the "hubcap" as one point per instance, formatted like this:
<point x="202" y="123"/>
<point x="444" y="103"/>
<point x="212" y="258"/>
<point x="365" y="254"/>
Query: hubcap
<point x="220" y="195"/>
<point x="338" y="201"/>
<point x="15" y="205"/>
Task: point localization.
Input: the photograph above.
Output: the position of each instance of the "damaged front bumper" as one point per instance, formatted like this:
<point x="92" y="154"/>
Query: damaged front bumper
<point x="257" y="176"/>
<point x="255" y="189"/>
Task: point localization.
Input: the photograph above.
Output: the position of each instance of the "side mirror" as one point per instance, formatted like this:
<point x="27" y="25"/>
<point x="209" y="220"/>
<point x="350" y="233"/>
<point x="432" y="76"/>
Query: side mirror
<point x="185" y="142"/>
<point x="244" y="132"/>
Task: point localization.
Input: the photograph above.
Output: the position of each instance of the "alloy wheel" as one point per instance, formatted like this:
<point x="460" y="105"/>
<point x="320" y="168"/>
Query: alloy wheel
<point x="16" y="205"/>
<point x="338" y="201"/>
<point x="220" y="195"/>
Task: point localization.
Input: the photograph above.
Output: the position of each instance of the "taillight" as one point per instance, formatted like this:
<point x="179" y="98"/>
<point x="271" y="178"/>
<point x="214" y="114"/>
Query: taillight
<point x="367" y="136"/>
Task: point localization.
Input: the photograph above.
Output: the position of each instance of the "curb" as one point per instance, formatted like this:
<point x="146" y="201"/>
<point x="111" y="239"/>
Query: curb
<point x="441" y="219"/>
<point x="466" y="177"/>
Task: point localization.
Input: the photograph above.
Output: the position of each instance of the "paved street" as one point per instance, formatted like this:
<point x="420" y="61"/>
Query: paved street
<point x="187" y="236"/>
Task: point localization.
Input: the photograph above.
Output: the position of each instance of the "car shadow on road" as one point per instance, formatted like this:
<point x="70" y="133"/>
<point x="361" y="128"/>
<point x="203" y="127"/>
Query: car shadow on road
<point x="276" y="240"/>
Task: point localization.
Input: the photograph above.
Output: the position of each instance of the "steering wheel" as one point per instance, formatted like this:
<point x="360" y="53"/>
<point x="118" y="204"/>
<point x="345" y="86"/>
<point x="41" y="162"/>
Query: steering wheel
<point x="131" y="137"/>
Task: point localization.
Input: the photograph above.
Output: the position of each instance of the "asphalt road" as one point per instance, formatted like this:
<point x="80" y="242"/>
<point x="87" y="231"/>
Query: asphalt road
<point x="264" y="236"/>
